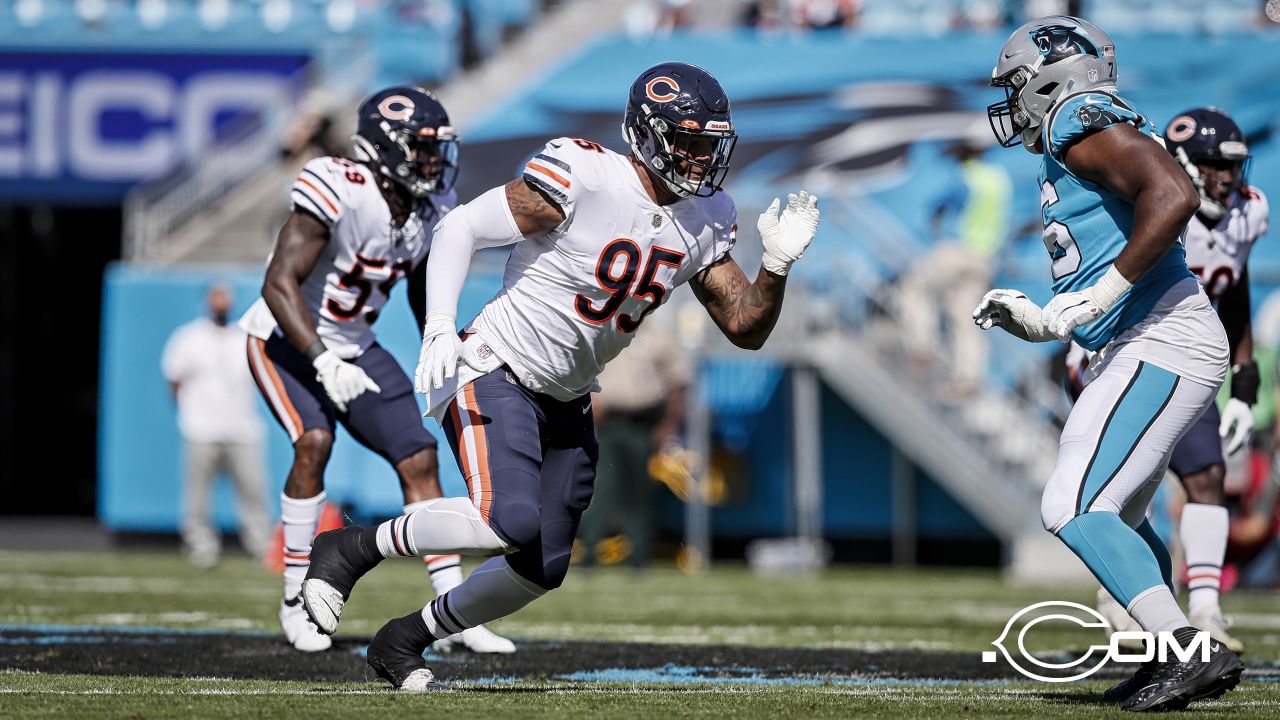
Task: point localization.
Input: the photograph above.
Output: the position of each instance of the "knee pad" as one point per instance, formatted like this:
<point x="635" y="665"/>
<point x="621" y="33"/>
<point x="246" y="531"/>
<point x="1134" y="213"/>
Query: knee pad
<point x="1056" y="508"/>
<point x="1205" y="486"/>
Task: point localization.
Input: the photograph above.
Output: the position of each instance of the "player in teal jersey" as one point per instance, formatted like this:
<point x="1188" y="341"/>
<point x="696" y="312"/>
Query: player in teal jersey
<point x="1115" y="205"/>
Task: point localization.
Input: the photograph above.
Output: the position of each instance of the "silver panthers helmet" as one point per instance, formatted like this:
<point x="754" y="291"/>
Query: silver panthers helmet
<point x="1044" y="60"/>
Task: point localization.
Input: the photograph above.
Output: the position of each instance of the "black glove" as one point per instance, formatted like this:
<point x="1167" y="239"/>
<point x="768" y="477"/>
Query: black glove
<point x="1244" y="382"/>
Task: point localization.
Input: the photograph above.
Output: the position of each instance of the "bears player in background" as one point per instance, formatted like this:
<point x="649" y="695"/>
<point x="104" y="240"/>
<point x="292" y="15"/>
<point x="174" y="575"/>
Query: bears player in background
<point x="601" y="240"/>
<point x="1114" y="205"/>
<point x="355" y="229"/>
<point x="1232" y="216"/>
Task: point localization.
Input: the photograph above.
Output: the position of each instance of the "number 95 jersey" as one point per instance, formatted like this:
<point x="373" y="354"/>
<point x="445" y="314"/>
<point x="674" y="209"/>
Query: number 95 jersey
<point x="572" y="300"/>
<point x="363" y="259"/>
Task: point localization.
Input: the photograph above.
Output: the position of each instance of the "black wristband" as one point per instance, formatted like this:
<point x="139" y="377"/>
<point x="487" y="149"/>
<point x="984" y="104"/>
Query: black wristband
<point x="314" y="350"/>
<point x="1244" y="383"/>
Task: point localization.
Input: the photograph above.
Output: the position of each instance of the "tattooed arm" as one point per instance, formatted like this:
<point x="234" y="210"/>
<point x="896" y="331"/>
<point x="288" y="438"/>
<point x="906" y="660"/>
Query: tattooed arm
<point x="744" y="311"/>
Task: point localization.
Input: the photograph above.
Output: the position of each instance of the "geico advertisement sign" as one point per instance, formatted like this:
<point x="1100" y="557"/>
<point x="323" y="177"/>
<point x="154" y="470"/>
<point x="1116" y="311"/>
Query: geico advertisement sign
<point x="122" y="124"/>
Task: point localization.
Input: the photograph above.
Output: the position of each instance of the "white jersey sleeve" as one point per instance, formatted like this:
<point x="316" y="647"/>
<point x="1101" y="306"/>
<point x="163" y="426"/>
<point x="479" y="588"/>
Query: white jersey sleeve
<point x="319" y="190"/>
<point x="724" y="228"/>
<point x="565" y="170"/>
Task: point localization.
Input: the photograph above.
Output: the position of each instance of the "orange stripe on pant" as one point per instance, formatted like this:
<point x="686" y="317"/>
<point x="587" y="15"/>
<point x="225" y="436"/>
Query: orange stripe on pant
<point x="471" y="441"/>
<point x="264" y="373"/>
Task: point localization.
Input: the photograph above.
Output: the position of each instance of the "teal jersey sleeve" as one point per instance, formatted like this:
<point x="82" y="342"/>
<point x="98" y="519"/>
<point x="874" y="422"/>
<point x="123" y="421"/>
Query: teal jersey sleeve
<point x="1079" y="115"/>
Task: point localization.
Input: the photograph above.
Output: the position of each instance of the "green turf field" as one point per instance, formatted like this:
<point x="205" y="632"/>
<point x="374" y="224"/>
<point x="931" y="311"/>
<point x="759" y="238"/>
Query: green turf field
<point x="924" y="612"/>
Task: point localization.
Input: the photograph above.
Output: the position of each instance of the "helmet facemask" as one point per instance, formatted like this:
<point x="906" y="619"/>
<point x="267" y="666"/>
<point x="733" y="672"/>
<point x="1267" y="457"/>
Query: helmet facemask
<point x="422" y="162"/>
<point x="1234" y="158"/>
<point x="691" y="160"/>
<point x="1014" y="121"/>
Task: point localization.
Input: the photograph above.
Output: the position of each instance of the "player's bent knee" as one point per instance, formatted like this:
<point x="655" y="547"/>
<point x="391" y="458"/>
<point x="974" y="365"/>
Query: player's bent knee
<point x="313" y="446"/>
<point x="1056" y="508"/>
<point x="554" y="571"/>
<point x="546" y="572"/>
<point x="420" y="470"/>
<point x="1206" y="486"/>
<point x="315" y="441"/>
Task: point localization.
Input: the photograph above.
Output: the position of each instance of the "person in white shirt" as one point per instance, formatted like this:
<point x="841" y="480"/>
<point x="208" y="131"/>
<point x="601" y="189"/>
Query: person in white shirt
<point x="219" y="421"/>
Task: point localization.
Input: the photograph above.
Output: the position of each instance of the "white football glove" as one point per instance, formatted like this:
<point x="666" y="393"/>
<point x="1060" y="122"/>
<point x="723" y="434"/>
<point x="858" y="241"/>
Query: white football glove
<point x="342" y="380"/>
<point x="1236" y="413"/>
<point x="1068" y="311"/>
<point x="786" y="235"/>
<point x="441" y="349"/>
<point x="1013" y="311"/>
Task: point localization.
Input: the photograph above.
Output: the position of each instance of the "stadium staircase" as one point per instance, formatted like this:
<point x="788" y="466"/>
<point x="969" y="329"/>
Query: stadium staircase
<point x="992" y="451"/>
<point x="227" y="208"/>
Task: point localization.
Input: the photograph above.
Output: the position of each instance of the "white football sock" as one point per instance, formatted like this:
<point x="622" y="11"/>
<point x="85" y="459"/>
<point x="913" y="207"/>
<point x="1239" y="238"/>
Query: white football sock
<point x="445" y="571"/>
<point x="494" y="590"/>
<point x="299" y="517"/>
<point x="1204" y="538"/>
<point x="1156" y="609"/>
<point x="442" y="526"/>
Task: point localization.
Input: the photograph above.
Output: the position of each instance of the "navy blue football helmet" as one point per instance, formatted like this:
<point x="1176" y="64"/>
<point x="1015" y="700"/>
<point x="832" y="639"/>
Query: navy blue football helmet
<point x="678" y="124"/>
<point x="404" y="133"/>
<point x="1208" y="137"/>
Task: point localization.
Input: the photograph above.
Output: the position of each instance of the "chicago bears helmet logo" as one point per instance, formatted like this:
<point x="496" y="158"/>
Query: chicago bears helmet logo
<point x="651" y="89"/>
<point x="396" y="107"/>
<point x="1181" y="129"/>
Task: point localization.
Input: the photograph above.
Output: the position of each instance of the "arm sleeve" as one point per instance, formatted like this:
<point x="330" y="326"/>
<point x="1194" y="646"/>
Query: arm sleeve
<point x="316" y="190"/>
<point x="482" y="223"/>
<point x="1077" y="117"/>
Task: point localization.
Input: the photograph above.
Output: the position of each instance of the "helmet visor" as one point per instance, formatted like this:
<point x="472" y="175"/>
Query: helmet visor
<point x="698" y="158"/>
<point x="433" y="156"/>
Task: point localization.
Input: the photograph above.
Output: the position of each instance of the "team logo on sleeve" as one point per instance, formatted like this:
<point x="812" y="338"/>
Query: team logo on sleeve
<point x="396" y="107"/>
<point x="1094" y="116"/>
<point x="655" y="92"/>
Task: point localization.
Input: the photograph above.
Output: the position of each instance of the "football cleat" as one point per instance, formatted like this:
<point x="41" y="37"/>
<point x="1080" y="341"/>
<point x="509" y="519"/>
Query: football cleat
<point x="1124" y="689"/>
<point x="1213" y="621"/>
<point x="1175" y="683"/>
<point x="339" y="558"/>
<point x="298" y="630"/>
<point x="478" y="639"/>
<point x="1118" y="620"/>
<point x="395" y="654"/>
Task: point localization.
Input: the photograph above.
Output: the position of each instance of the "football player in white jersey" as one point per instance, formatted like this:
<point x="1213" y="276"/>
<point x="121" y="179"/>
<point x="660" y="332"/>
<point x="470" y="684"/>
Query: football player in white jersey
<point x="601" y="240"/>
<point x="1232" y="216"/>
<point x="356" y="228"/>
